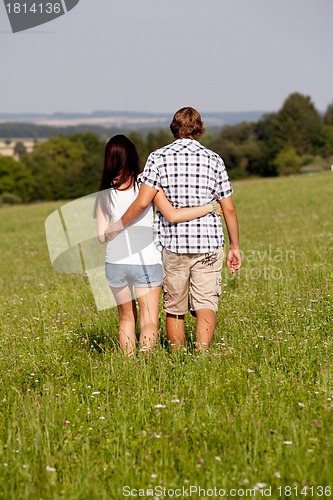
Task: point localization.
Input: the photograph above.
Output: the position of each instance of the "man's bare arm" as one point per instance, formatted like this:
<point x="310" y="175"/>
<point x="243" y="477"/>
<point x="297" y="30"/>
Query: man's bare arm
<point x="234" y="260"/>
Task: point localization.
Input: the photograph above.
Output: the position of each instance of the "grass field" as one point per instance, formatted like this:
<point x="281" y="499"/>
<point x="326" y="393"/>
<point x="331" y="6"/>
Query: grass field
<point x="253" y="416"/>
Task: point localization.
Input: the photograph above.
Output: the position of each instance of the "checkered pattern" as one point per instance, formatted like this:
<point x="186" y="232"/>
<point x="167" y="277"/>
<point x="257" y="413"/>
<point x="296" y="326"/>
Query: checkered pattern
<point x="190" y="175"/>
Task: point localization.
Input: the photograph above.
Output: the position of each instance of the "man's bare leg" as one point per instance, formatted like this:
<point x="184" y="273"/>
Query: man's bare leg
<point x="175" y="327"/>
<point x="206" y="322"/>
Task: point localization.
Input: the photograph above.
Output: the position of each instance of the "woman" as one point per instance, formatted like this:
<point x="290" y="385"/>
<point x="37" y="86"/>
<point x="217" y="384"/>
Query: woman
<point x="133" y="265"/>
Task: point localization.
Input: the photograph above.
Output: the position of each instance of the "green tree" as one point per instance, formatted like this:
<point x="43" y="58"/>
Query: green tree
<point x="93" y="160"/>
<point x="231" y="155"/>
<point x="265" y="130"/>
<point x="239" y="133"/>
<point x="253" y="160"/>
<point x="327" y="136"/>
<point x="156" y="140"/>
<point x="140" y="144"/>
<point x="15" y="178"/>
<point x="20" y="149"/>
<point x="298" y="125"/>
<point x="208" y="139"/>
<point x="328" y="116"/>
<point x="288" y="161"/>
<point x="56" y="166"/>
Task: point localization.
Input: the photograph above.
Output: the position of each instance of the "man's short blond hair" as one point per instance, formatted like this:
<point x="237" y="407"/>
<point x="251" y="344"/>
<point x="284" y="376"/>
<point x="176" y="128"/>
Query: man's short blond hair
<point x="187" y="123"/>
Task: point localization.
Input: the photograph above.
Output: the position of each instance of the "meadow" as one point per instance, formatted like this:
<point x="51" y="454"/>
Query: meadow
<point x="251" y="417"/>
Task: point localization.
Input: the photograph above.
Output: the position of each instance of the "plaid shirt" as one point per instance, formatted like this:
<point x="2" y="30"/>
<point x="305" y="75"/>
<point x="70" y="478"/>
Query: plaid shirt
<point x="190" y="175"/>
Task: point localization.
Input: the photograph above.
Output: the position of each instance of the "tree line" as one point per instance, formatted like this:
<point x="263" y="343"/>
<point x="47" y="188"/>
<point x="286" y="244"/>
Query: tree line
<point x="296" y="139"/>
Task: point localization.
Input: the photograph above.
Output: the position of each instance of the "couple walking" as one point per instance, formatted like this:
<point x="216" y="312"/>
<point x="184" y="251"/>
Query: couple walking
<point x="190" y="188"/>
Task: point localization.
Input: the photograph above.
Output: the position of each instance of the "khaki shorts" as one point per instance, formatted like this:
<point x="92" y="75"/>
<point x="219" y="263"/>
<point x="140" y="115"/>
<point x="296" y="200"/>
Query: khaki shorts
<point x="191" y="280"/>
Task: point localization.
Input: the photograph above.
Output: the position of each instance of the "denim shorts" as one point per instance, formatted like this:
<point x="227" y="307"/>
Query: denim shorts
<point x="139" y="276"/>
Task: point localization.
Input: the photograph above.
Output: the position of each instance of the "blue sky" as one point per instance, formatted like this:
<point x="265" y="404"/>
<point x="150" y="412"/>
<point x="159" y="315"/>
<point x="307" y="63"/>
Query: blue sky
<point x="157" y="56"/>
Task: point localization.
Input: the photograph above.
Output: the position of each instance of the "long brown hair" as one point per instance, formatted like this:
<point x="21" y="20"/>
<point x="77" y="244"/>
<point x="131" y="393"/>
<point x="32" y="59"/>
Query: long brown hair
<point x="121" y="167"/>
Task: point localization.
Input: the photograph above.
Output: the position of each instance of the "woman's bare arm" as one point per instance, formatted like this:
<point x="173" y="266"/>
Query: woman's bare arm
<point x="148" y="194"/>
<point x="103" y="221"/>
<point x="175" y="215"/>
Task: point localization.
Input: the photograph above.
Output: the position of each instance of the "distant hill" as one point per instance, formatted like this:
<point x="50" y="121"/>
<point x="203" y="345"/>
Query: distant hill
<point x="105" y="122"/>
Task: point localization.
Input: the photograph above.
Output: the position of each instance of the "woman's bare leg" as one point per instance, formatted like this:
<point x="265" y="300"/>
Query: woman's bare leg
<point x="149" y="301"/>
<point x="127" y="319"/>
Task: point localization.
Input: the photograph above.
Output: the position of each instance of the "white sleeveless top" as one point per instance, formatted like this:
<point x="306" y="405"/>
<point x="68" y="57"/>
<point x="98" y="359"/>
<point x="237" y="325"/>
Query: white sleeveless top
<point x="135" y="244"/>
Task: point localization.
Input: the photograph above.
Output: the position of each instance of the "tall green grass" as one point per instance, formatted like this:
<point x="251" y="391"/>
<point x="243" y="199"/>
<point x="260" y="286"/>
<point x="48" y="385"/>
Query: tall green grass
<point x="80" y="421"/>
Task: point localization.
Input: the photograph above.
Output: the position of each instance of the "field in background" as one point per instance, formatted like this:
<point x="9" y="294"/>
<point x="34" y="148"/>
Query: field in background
<point x="79" y="421"/>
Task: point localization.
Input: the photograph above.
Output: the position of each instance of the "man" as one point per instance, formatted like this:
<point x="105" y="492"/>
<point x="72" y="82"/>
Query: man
<point x="190" y="175"/>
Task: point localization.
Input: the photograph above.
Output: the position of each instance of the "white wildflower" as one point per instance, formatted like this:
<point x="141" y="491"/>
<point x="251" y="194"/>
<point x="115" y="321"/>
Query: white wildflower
<point x="259" y="486"/>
